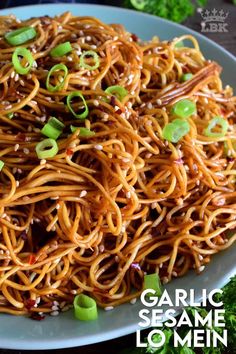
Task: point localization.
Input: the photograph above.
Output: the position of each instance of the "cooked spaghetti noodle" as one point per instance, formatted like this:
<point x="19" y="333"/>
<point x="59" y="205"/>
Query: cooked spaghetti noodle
<point x="110" y="207"/>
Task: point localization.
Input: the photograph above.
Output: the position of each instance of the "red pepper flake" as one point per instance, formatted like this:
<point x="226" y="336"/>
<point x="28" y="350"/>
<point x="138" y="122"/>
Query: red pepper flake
<point x="32" y="259"/>
<point x="35" y="316"/>
<point x="69" y="152"/>
<point x="223" y="112"/>
<point x="29" y="303"/>
<point x="230" y="159"/>
<point x="21" y="137"/>
<point x="164" y="56"/>
<point x="113" y="101"/>
<point x="119" y="111"/>
<point x="134" y="37"/>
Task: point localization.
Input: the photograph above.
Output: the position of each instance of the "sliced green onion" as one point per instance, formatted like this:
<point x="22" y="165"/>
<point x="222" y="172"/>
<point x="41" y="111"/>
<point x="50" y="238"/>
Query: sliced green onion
<point x="138" y="4"/>
<point x="213" y="123"/>
<point x="82" y="115"/>
<point x="20" y="36"/>
<point x="89" y="53"/>
<point x="46" y="148"/>
<point x="10" y="115"/>
<point x="50" y="131"/>
<point x="186" y="77"/>
<point x="61" y="49"/>
<point x="83" y="132"/>
<point x="119" y="91"/>
<point x="175" y="130"/>
<point x="53" y="129"/>
<point x="57" y="67"/>
<point x="1" y="165"/>
<point x="26" y="54"/>
<point x="184" y="108"/>
<point x="56" y="123"/>
<point x="152" y="281"/>
<point x="85" y="308"/>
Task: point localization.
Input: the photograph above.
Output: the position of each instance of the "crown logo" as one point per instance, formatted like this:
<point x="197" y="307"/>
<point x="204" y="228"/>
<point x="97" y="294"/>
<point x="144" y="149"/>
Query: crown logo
<point x="214" y="15"/>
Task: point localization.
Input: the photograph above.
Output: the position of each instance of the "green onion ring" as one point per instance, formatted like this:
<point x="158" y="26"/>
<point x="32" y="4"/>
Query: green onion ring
<point x="56" y="67"/>
<point x="26" y="54"/>
<point x="82" y="115"/>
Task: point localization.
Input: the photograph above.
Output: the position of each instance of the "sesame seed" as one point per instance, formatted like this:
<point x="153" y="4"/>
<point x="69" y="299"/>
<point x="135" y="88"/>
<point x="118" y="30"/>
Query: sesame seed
<point x="55" y="308"/>
<point x="93" y="46"/>
<point x="54" y="198"/>
<point x="158" y="101"/>
<point x="62" y="304"/>
<point x="22" y="83"/>
<point x="16" y="147"/>
<point x="73" y="292"/>
<point x="174" y="274"/>
<point x="116" y="108"/>
<point x="125" y="159"/>
<point x="8" y="107"/>
<point x="132" y="92"/>
<point x="81" y="33"/>
<point x="98" y="147"/>
<point x="96" y="103"/>
<point x="43" y="162"/>
<point x="149" y="105"/>
<point x="16" y="77"/>
<point x="54" y="313"/>
<point x="153" y="205"/>
<point x="133" y="301"/>
<point x="17" y="183"/>
<point x="26" y="151"/>
<point x="74" y="36"/>
<point x="101" y="248"/>
<point x="58" y="206"/>
<point x="25" y="198"/>
<point x="48" y="98"/>
<point x="37" y="300"/>
<point x="108" y="308"/>
<point x="142" y="105"/>
<point x="34" y="102"/>
<point x="165" y="280"/>
<point x="201" y="269"/>
<point x="78" y="52"/>
<point x="160" y="265"/>
<point x="29" y="76"/>
<point x="3" y="215"/>
<point x="88" y="38"/>
<point x="32" y="276"/>
<point x="200" y="257"/>
<point x="13" y="74"/>
<point x="105" y="116"/>
<point x="65" y="308"/>
<point x="128" y="195"/>
<point x="55" y="303"/>
<point x="70" y="59"/>
<point x="83" y="194"/>
<point x="87" y="26"/>
<point x="123" y="229"/>
<point x="129" y="105"/>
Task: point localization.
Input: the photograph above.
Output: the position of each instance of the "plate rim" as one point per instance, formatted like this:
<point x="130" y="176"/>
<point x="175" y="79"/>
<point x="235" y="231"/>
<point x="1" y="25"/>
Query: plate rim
<point x="57" y="343"/>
